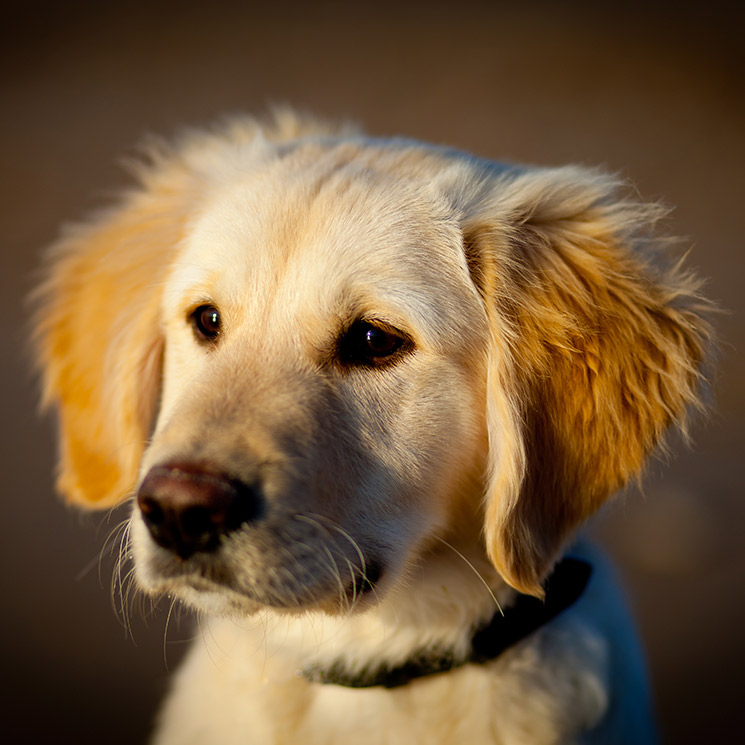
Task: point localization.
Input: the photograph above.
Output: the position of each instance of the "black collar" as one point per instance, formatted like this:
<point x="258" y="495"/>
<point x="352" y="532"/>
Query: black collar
<point x="565" y="586"/>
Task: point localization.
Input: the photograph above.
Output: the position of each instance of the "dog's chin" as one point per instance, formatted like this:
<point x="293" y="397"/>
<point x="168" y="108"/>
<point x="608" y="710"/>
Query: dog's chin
<point x="207" y="597"/>
<point x="219" y="599"/>
<point x="206" y="584"/>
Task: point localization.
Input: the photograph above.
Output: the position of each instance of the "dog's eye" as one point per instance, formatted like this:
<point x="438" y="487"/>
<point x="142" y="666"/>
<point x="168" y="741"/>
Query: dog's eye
<point x="381" y="343"/>
<point x="367" y="343"/>
<point x="206" y="322"/>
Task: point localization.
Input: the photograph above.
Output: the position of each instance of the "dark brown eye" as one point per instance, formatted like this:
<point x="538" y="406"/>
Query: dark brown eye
<point x="381" y="343"/>
<point x="206" y="322"/>
<point x="367" y="343"/>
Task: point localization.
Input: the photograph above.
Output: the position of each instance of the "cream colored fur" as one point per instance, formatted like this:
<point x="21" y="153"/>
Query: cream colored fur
<point x="549" y="343"/>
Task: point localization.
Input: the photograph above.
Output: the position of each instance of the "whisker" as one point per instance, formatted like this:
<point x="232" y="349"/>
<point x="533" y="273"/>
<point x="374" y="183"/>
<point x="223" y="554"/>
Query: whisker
<point x="325" y="523"/>
<point x="165" y="631"/>
<point x="333" y="565"/>
<point x="106" y="549"/>
<point x="123" y="540"/>
<point x="353" y="602"/>
<point x="331" y="524"/>
<point x="129" y="596"/>
<point x="475" y="571"/>
<point x="124" y="582"/>
<point x="208" y="638"/>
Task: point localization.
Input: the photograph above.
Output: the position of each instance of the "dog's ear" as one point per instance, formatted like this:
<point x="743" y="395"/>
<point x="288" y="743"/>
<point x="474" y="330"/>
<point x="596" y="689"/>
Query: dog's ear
<point x="596" y="348"/>
<point x="99" y="342"/>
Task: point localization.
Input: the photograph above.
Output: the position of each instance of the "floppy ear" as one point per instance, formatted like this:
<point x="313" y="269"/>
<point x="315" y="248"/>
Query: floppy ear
<point x="99" y="341"/>
<point x="596" y="348"/>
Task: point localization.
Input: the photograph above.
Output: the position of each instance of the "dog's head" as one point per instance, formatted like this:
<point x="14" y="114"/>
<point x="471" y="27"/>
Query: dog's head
<point x="310" y="355"/>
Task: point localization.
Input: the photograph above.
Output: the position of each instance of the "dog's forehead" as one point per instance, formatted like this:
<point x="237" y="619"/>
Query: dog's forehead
<point x="312" y="233"/>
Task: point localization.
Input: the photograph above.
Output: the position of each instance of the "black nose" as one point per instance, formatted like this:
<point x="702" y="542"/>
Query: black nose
<point x="188" y="509"/>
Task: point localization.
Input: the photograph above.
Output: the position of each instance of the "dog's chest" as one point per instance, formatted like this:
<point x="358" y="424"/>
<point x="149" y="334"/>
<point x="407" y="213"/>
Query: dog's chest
<point x="263" y="705"/>
<point x="449" y="708"/>
<point x="235" y="689"/>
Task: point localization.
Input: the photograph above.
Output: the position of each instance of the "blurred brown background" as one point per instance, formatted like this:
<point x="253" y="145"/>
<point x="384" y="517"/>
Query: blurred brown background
<point x="653" y="91"/>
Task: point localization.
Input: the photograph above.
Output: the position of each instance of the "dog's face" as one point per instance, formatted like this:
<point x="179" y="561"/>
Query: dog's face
<point x="308" y="358"/>
<point x="319" y="361"/>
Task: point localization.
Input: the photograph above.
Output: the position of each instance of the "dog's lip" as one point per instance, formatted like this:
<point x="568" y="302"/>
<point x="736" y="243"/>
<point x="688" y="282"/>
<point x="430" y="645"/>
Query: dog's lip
<point x="199" y="568"/>
<point x="366" y="580"/>
<point x="215" y="573"/>
<point x="205" y="575"/>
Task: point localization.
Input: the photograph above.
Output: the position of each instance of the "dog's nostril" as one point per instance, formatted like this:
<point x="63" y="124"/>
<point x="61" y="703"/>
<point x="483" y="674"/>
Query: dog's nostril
<point x="188" y="510"/>
<point x="150" y="510"/>
<point x="196" y="520"/>
<point x="200" y="530"/>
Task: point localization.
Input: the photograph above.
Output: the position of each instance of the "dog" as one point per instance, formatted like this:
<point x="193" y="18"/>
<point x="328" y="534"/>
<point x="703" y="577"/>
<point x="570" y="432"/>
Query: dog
<point x="361" y="395"/>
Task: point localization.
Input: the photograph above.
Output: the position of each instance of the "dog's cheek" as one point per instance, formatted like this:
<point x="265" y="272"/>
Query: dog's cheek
<point x="449" y="425"/>
<point x="429" y="449"/>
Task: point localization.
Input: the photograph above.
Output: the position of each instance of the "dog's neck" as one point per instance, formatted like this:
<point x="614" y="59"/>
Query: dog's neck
<point x="440" y="618"/>
<point x="486" y="641"/>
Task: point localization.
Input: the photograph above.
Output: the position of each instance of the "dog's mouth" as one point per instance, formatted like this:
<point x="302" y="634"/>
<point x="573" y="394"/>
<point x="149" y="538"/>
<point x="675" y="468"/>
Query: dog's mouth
<point x="207" y="578"/>
<point x="365" y="580"/>
<point x="295" y="579"/>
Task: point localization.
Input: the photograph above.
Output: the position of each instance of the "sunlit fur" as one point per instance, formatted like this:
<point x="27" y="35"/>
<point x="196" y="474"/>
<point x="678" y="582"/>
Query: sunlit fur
<point x="554" y="338"/>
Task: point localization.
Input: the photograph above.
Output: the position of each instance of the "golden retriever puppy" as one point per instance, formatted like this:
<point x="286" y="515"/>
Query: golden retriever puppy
<point x="361" y="393"/>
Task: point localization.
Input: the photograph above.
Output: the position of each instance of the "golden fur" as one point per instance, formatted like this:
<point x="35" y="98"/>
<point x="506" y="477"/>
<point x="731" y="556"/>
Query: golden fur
<point x="552" y="341"/>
